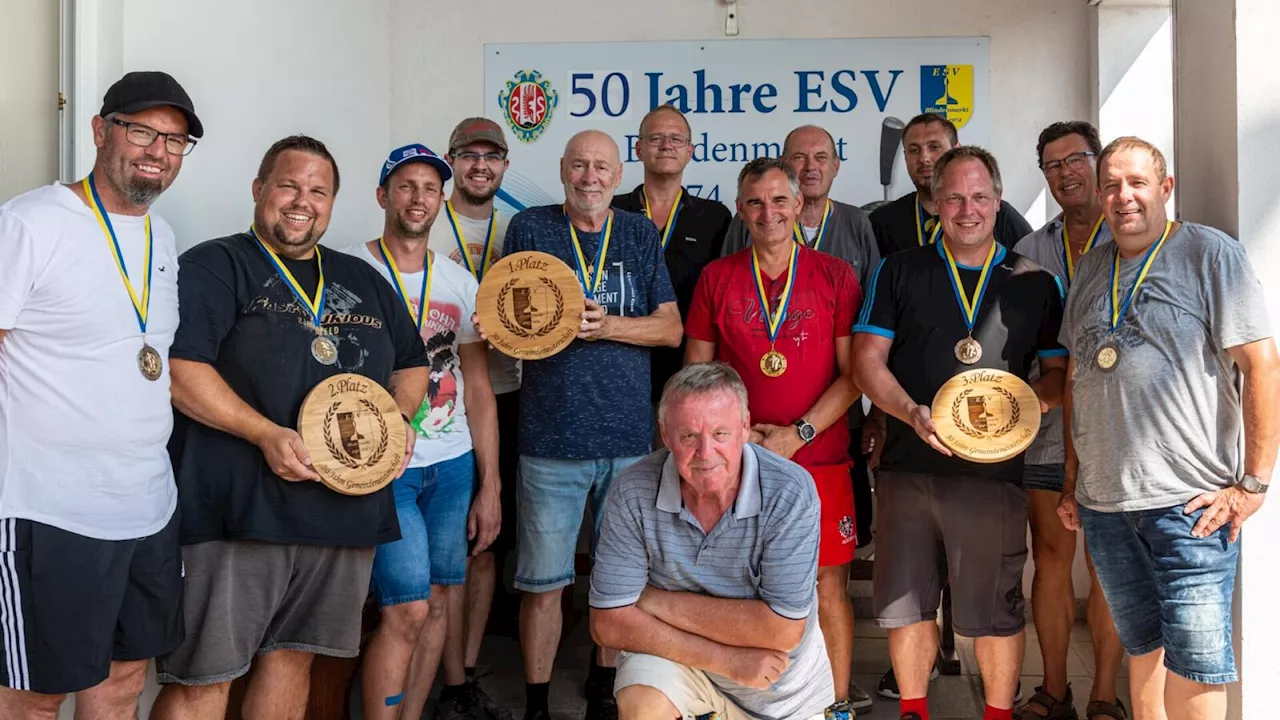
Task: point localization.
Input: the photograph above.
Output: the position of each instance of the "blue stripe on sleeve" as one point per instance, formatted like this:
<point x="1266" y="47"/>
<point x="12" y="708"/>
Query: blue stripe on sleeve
<point x="873" y="330"/>
<point x="870" y="299"/>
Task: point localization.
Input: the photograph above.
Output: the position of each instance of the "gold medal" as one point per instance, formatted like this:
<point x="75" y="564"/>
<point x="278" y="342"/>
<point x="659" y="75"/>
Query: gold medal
<point x="149" y="363"/>
<point x="773" y="363"/>
<point x="968" y="351"/>
<point x="324" y="350"/>
<point x="1108" y="356"/>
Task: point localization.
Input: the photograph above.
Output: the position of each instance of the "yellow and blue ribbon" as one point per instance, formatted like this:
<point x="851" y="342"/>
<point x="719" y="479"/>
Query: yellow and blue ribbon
<point x="589" y="278"/>
<point x="1117" y="309"/>
<point x="922" y="222"/>
<point x="1067" y="262"/>
<point x="141" y="306"/>
<point x="424" y="294"/>
<point x="671" y="216"/>
<point x="822" y="230"/>
<point x="315" y="308"/>
<point x="773" y="317"/>
<point x="477" y="272"/>
<point x="969" y="305"/>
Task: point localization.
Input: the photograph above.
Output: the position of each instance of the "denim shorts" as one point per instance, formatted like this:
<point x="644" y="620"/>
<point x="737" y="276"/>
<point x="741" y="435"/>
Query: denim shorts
<point x="552" y="497"/>
<point x="1166" y="588"/>
<point x="432" y="504"/>
<point x="1044" y="477"/>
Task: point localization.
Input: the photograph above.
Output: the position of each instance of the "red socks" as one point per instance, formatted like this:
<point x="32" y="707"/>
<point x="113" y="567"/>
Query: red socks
<point x="997" y="714"/>
<point x="919" y="706"/>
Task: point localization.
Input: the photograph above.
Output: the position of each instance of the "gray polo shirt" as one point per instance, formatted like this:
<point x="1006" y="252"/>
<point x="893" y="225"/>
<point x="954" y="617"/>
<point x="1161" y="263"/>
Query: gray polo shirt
<point x="1046" y="248"/>
<point x="1165" y="424"/>
<point x="765" y="548"/>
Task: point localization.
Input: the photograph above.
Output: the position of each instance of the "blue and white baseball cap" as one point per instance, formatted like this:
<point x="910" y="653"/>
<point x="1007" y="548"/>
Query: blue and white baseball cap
<point x="414" y="153"/>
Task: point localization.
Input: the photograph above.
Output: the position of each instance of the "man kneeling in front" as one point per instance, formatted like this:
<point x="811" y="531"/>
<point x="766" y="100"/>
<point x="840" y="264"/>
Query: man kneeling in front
<point x="706" y="568"/>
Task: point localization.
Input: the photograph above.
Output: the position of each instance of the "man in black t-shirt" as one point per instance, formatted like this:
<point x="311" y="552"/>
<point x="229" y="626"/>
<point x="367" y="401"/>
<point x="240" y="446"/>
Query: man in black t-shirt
<point x="277" y="565"/>
<point x="936" y="509"/>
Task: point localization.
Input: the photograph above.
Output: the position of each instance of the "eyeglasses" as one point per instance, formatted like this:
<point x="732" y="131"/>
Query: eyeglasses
<point x="657" y="139"/>
<point x="490" y="158"/>
<point x="1074" y="161"/>
<point x="142" y="136"/>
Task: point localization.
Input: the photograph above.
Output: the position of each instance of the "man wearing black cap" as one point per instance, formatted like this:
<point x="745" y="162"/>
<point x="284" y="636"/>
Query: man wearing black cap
<point x="89" y="557"/>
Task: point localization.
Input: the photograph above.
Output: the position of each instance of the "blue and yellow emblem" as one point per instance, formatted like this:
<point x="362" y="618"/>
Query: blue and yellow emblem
<point x="527" y="102"/>
<point x="947" y="90"/>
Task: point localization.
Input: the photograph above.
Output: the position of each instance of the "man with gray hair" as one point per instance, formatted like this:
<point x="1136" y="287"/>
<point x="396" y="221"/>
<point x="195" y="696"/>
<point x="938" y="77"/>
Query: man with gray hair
<point x="706" y="568"/>
<point x="585" y="413"/>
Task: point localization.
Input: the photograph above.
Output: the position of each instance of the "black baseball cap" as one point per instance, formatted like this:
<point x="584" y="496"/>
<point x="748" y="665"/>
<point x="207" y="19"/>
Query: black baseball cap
<point x="143" y="90"/>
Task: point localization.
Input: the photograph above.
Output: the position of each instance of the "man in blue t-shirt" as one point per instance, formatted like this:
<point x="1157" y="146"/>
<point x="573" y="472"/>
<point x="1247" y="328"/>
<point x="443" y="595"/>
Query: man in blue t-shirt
<point x="584" y="412"/>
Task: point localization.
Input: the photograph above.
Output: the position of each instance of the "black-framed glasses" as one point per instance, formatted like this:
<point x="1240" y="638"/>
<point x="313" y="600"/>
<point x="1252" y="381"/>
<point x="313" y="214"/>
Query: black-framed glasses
<point x="492" y="158"/>
<point x="1074" y="161"/>
<point x="657" y="139"/>
<point x="143" y="135"/>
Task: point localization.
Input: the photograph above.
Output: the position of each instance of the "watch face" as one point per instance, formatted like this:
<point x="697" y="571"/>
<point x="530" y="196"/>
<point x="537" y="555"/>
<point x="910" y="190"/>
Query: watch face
<point x="807" y="432"/>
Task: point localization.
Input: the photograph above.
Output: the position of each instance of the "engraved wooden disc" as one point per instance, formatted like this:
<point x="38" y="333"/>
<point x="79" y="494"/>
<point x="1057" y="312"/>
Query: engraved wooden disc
<point x="353" y="430"/>
<point x="986" y="416"/>
<point x="530" y="305"/>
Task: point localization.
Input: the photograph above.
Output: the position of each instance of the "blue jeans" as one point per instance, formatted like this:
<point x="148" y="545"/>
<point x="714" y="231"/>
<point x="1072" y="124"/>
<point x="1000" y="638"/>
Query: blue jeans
<point x="432" y="504"/>
<point x="1166" y="588"/>
<point x="552" y="497"/>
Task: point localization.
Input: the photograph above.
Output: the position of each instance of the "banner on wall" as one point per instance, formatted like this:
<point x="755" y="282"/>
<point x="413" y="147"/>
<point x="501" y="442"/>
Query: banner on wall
<point x="741" y="98"/>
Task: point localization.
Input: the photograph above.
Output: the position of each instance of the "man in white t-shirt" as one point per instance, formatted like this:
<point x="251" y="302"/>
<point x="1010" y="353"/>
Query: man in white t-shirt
<point x="88" y="309"/>
<point x="478" y="156"/>
<point x="415" y="577"/>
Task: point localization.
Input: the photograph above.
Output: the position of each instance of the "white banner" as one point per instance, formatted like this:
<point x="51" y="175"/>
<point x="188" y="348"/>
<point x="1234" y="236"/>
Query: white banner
<point x="741" y="98"/>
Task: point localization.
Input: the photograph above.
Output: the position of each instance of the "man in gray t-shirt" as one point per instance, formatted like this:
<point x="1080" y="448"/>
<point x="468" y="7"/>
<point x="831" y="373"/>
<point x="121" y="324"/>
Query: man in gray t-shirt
<point x="1155" y="472"/>
<point x="705" y="572"/>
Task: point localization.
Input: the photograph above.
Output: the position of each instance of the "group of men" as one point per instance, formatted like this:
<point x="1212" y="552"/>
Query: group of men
<point x="184" y="522"/>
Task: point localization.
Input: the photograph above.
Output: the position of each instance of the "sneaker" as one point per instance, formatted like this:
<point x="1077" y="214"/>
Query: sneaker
<point x="858" y="698"/>
<point x="485" y="707"/>
<point x="838" y="711"/>
<point x="888" y="687"/>
<point x="458" y="707"/>
<point x="601" y="706"/>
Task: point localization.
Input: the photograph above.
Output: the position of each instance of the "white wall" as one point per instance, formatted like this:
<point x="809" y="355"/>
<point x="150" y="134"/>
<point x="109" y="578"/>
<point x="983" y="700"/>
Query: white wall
<point x="28" y="99"/>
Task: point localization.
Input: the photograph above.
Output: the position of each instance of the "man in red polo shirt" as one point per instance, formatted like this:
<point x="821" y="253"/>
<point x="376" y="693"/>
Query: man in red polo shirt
<point x="782" y="315"/>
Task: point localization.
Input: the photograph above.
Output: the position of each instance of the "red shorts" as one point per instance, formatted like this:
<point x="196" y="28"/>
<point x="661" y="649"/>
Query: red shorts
<point x="838" y="533"/>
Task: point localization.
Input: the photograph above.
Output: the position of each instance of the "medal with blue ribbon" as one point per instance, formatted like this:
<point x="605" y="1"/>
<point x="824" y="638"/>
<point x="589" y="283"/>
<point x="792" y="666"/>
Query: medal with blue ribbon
<point x="150" y="364"/>
<point x="671" y="216"/>
<point x="774" y="363"/>
<point x="968" y="351"/>
<point x="1109" y="354"/>
<point x="477" y="271"/>
<point x="322" y="348"/>
<point x="923" y="229"/>
<point x="589" y="277"/>
<point x="424" y="294"/>
<point x="822" y="230"/>
<point x="1067" y="261"/>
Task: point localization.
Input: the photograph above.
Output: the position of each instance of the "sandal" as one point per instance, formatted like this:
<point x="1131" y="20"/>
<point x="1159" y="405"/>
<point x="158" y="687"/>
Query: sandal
<point x="1054" y="708"/>
<point x="1106" y="709"/>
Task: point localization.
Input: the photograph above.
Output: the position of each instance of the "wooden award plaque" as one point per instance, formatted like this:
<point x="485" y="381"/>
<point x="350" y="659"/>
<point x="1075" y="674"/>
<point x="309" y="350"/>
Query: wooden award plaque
<point x="353" y="430"/>
<point x="530" y="305"/>
<point x="986" y="416"/>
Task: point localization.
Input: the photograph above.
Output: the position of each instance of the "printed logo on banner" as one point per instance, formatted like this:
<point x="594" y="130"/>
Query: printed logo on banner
<point x="947" y="90"/>
<point x="527" y="102"/>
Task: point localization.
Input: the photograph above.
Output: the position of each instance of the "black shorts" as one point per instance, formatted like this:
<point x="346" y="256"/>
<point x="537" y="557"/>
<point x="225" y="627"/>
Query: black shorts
<point x="70" y="605"/>
<point x="508" y="464"/>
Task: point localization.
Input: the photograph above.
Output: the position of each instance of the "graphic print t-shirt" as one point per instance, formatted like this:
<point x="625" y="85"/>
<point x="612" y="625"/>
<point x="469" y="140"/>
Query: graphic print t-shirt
<point x="441" y="420"/>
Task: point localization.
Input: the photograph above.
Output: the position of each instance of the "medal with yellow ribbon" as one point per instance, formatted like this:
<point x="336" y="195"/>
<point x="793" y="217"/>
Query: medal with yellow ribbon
<point x="822" y="230"/>
<point x="476" y="271"/>
<point x="590" y="277"/>
<point x="1108" y="356"/>
<point x="322" y="348"/>
<point x="929" y="228"/>
<point x="1067" y="261"/>
<point x="671" y="216"/>
<point x="424" y="293"/>
<point x="150" y="364"/>
<point x="968" y="351"/>
<point x="774" y="363"/>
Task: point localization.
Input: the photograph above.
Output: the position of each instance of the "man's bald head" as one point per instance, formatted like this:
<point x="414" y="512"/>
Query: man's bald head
<point x="591" y="171"/>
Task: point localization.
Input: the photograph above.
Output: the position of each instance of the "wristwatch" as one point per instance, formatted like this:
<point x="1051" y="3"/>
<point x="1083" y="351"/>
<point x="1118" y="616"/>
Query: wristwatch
<point x="1252" y="484"/>
<point x="807" y="431"/>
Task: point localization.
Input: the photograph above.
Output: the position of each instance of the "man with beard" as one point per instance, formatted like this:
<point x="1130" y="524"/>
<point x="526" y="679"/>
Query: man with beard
<point x="277" y="565"/>
<point x="88" y="536"/>
<point x="417" y="578"/>
<point x="691" y="229"/>
<point x="584" y="412"/>
<point x="472" y="233"/>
